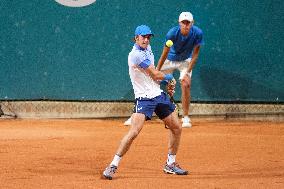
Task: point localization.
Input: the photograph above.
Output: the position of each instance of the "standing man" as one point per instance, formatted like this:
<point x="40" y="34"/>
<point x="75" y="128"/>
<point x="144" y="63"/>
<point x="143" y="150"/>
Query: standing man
<point x="149" y="98"/>
<point x="180" y="52"/>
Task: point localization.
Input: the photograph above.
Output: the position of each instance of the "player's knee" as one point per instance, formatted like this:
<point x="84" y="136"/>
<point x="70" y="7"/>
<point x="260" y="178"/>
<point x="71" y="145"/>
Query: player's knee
<point x="177" y="131"/>
<point x="185" y="84"/>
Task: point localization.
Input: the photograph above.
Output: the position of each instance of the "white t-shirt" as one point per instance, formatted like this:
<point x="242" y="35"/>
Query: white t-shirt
<point x="143" y="85"/>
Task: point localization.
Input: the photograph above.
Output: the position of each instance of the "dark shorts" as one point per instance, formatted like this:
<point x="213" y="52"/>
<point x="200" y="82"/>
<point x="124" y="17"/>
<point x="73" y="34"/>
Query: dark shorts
<point x="161" y="105"/>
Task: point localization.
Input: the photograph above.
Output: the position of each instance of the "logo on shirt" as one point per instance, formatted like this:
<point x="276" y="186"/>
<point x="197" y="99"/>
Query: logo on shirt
<point x="75" y="3"/>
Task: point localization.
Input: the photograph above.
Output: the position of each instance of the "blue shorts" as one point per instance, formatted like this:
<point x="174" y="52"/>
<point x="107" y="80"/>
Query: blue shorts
<point x="161" y="105"/>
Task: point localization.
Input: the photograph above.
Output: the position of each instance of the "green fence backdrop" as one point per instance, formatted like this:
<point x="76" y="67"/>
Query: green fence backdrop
<point x="54" y="52"/>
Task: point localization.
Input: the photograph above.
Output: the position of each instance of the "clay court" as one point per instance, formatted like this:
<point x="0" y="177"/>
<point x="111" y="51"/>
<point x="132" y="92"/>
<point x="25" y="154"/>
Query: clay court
<point x="72" y="153"/>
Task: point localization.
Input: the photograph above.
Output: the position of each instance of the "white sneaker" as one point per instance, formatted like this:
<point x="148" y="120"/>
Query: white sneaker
<point x="127" y="122"/>
<point x="186" y="122"/>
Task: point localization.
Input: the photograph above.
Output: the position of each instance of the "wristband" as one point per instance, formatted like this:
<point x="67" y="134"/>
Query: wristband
<point x="164" y="82"/>
<point x="168" y="77"/>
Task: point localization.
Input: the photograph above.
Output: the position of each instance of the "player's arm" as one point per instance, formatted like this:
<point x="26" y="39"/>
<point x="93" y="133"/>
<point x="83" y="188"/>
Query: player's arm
<point x="194" y="58"/>
<point x="167" y="78"/>
<point x="198" y="42"/>
<point x="155" y="74"/>
<point x="163" y="57"/>
<point x="158" y="75"/>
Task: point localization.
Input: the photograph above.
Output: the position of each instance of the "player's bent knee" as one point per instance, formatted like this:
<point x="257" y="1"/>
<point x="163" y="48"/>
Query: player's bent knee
<point x="185" y="84"/>
<point x="175" y="128"/>
<point x="176" y="131"/>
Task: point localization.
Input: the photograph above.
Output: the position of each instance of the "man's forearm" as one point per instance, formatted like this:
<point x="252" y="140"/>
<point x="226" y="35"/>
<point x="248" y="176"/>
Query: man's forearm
<point x="191" y="64"/>
<point x="161" y="63"/>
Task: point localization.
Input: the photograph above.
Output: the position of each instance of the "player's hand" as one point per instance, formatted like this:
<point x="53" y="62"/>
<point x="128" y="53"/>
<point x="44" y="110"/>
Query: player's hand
<point x="171" y="87"/>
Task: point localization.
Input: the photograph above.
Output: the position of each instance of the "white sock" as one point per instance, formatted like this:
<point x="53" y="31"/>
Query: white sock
<point x="116" y="160"/>
<point x="171" y="159"/>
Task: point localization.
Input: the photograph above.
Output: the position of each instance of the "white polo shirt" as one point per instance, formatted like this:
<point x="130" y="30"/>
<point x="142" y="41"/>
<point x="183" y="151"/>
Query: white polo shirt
<point x="143" y="85"/>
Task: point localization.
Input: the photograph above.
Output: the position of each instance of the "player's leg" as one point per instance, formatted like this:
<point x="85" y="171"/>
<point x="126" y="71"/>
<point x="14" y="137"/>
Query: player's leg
<point x="137" y="121"/>
<point x="185" y="82"/>
<point x="175" y="132"/>
<point x="143" y="110"/>
<point x="165" y="111"/>
<point x="175" y="129"/>
<point x="185" y="99"/>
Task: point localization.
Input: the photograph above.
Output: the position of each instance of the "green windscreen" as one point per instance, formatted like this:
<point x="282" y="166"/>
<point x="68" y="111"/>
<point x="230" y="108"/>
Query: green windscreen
<point x="54" y="52"/>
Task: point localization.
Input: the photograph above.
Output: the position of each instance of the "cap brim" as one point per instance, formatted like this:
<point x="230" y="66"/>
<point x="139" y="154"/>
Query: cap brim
<point x="147" y="34"/>
<point x="185" y="19"/>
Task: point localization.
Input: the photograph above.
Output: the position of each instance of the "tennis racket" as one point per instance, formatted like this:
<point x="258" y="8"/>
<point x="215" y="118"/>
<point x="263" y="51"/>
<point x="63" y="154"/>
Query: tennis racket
<point x="171" y="90"/>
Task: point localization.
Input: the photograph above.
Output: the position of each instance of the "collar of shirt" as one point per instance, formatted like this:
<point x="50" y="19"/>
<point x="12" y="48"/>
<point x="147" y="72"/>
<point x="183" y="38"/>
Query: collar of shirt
<point x="138" y="47"/>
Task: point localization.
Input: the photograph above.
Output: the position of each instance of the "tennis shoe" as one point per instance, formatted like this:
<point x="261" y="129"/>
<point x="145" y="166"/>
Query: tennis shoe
<point x="186" y="122"/>
<point x="174" y="168"/>
<point x="127" y="122"/>
<point x="109" y="172"/>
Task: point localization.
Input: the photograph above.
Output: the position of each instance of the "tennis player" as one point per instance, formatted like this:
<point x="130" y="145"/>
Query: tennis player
<point x="149" y="98"/>
<point x="182" y="56"/>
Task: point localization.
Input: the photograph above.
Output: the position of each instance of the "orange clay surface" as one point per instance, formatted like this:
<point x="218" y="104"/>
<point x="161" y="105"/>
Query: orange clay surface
<point x="72" y="153"/>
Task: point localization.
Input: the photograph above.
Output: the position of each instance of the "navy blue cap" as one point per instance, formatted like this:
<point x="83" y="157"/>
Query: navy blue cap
<point x="143" y="30"/>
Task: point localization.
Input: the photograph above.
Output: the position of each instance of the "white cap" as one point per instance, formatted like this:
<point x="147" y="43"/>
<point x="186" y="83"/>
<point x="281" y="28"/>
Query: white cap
<point x="185" y="16"/>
